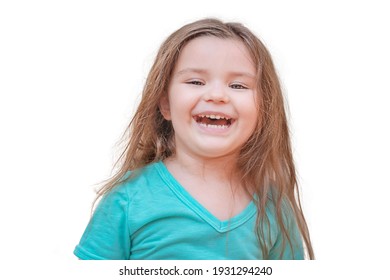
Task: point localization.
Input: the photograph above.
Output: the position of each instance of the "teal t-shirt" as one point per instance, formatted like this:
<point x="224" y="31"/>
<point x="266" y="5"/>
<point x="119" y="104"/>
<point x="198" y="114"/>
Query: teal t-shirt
<point x="152" y="217"/>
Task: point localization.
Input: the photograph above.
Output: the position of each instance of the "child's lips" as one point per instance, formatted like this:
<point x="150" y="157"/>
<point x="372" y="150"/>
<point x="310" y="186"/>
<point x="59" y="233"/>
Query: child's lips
<point x="213" y="121"/>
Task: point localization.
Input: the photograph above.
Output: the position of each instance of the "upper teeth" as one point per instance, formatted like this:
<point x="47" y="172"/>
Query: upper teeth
<point x="215" y="117"/>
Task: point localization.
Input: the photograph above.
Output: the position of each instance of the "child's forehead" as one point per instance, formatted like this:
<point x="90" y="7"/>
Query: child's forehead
<point x="206" y="51"/>
<point x="208" y="43"/>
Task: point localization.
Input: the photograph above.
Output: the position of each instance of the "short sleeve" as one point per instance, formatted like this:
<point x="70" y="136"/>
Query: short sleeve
<point x="107" y="235"/>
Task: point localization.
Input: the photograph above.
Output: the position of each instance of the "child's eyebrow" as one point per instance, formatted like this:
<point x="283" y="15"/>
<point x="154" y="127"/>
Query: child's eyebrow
<point x="244" y="74"/>
<point x="190" y="70"/>
<point x="203" y="71"/>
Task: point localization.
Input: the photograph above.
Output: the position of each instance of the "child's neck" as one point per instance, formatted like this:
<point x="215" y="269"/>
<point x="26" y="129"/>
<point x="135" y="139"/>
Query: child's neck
<point x="214" y="183"/>
<point x="221" y="169"/>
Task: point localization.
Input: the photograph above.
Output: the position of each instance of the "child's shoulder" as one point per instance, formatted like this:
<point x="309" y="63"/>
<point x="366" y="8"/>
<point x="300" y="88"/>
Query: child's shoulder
<point x="145" y="179"/>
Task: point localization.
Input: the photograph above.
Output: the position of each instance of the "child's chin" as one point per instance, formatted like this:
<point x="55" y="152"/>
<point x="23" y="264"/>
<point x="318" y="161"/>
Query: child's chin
<point x="211" y="151"/>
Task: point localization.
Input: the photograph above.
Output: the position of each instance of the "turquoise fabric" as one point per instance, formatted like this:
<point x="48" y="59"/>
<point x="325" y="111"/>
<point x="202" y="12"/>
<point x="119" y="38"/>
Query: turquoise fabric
<point x="151" y="216"/>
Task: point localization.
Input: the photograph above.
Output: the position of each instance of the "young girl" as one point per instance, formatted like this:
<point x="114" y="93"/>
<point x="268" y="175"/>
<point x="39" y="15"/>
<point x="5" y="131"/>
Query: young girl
<point x="207" y="172"/>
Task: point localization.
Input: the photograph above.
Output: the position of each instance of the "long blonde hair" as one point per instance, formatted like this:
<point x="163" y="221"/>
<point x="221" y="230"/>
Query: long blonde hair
<point x="265" y="161"/>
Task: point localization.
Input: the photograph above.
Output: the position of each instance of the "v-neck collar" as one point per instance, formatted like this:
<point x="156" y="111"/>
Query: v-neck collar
<point x="184" y="196"/>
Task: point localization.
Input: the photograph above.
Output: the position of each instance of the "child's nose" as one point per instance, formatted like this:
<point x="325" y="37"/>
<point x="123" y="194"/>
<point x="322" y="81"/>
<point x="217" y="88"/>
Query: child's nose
<point x="216" y="93"/>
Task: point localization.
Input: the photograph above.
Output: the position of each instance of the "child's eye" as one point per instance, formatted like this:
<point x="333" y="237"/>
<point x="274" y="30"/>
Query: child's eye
<point x="238" y="86"/>
<point x="195" y="82"/>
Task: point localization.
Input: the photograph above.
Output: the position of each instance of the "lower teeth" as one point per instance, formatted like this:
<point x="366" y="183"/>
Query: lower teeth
<point x="214" y="126"/>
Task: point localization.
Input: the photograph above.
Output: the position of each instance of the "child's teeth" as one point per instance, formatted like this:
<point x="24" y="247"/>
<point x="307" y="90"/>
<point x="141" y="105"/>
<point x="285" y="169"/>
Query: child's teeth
<point x="214" y="126"/>
<point x="215" y="117"/>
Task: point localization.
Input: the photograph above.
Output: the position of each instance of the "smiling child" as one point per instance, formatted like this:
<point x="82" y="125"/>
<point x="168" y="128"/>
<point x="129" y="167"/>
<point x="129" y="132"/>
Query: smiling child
<point x="208" y="171"/>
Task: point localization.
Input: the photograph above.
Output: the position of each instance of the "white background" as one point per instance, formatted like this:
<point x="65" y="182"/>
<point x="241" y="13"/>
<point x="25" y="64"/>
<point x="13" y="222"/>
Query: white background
<point x="71" y="73"/>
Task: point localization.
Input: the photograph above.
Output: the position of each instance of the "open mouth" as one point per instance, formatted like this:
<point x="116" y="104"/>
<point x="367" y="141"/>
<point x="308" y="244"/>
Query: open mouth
<point x="214" y="121"/>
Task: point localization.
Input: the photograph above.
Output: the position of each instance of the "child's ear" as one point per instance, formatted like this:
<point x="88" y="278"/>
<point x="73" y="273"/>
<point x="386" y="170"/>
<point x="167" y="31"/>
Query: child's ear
<point x="164" y="108"/>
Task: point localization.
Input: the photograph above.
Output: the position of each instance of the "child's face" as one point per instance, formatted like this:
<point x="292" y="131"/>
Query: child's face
<point x="212" y="98"/>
